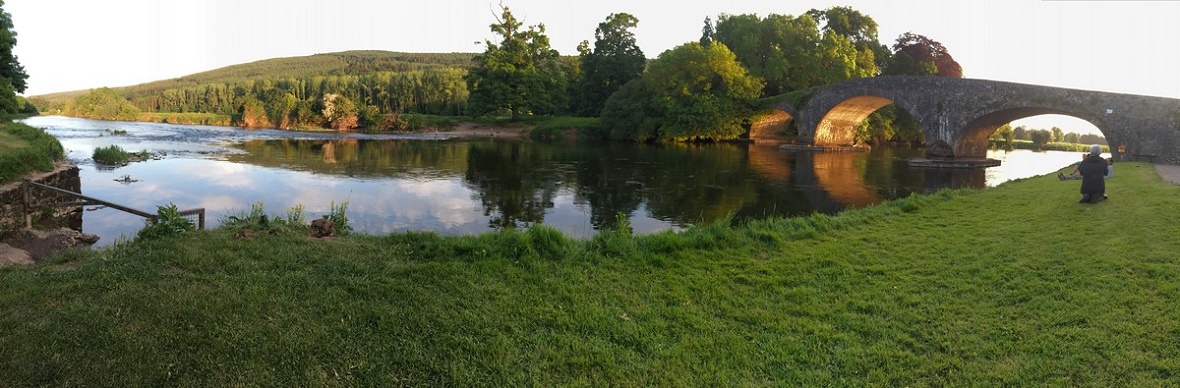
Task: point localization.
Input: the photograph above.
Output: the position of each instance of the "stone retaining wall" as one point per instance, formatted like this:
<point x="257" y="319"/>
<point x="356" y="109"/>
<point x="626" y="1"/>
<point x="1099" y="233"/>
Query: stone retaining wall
<point x="65" y="176"/>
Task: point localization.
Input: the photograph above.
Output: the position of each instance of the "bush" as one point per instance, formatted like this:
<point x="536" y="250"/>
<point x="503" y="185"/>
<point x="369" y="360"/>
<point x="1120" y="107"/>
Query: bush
<point x="112" y="155"/>
<point x="168" y="223"/>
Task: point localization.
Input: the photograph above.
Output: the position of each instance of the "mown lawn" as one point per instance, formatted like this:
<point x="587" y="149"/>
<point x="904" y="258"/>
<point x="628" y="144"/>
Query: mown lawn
<point x="1017" y="285"/>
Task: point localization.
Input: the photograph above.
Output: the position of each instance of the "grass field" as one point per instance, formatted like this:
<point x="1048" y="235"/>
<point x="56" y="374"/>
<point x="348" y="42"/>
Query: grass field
<point x="1016" y="285"/>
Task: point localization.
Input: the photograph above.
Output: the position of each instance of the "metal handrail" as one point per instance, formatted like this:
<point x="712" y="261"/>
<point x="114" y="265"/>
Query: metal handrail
<point x="199" y="212"/>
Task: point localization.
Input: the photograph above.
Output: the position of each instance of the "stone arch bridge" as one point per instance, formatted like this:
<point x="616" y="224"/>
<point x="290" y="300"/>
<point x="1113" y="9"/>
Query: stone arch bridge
<point x="957" y="115"/>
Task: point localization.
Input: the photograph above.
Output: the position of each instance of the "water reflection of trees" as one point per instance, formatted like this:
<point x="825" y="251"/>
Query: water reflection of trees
<point x="513" y="181"/>
<point x="357" y="157"/>
<point x="516" y="183"/>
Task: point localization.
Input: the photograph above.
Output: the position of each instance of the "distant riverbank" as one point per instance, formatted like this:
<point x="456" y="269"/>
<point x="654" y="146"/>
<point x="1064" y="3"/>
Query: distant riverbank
<point x="455" y="126"/>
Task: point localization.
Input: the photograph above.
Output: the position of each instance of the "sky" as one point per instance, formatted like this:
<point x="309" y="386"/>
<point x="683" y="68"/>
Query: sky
<point x="1117" y="46"/>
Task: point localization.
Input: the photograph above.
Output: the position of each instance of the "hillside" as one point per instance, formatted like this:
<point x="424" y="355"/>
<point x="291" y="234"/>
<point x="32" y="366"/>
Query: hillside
<point x="340" y="63"/>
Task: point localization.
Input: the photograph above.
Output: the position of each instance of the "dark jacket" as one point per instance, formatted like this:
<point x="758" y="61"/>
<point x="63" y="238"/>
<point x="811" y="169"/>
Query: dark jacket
<point x="1093" y="170"/>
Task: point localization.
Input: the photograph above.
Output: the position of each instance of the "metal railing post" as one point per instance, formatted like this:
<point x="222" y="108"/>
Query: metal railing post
<point x="26" y="205"/>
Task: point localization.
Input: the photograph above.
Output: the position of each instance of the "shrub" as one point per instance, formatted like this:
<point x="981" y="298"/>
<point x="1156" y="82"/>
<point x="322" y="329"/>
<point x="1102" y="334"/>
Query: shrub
<point x="168" y="223"/>
<point x="112" y="155"/>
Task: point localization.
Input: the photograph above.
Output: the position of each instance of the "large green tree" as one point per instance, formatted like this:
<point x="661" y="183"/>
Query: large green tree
<point x="519" y="76"/>
<point x="12" y="74"/>
<point x="861" y="30"/>
<point x="615" y="60"/>
<point x="792" y="53"/>
<point x="702" y="92"/>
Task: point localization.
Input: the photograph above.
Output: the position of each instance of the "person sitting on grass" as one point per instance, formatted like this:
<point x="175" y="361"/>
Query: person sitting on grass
<point x="1073" y="174"/>
<point x="1093" y="171"/>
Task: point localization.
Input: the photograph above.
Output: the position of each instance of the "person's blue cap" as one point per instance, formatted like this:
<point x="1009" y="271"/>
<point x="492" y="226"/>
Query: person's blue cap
<point x="1095" y="149"/>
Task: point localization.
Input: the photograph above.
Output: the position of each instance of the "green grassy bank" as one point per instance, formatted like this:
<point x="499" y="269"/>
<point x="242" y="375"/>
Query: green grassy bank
<point x="24" y="149"/>
<point x="1017" y="285"/>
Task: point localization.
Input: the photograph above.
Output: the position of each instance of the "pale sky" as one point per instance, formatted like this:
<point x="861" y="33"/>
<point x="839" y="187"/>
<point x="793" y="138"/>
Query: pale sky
<point x="1114" y="45"/>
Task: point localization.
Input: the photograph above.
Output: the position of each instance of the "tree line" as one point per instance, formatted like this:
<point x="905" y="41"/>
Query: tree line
<point x="701" y="90"/>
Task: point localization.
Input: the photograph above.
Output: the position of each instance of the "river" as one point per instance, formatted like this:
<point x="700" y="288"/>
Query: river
<point x="471" y="185"/>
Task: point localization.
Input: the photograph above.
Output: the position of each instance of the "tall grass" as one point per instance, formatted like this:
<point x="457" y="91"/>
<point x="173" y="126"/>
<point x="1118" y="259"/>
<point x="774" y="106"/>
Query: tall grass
<point x="25" y="149"/>
<point x="1016" y="285"/>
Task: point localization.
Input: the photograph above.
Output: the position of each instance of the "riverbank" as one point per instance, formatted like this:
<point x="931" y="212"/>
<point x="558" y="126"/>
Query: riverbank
<point x="1013" y="285"/>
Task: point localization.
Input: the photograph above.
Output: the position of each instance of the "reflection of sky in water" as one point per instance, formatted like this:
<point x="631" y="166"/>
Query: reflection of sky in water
<point x="400" y="197"/>
<point x="1019" y="164"/>
<point x="223" y="188"/>
<point x="377" y="206"/>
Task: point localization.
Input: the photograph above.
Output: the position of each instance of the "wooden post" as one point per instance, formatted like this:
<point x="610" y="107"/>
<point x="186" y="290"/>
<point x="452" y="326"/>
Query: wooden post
<point x="27" y="205"/>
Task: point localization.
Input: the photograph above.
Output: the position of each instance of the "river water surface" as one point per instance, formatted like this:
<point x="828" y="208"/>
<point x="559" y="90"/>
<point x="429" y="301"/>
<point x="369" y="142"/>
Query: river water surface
<point x="472" y="185"/>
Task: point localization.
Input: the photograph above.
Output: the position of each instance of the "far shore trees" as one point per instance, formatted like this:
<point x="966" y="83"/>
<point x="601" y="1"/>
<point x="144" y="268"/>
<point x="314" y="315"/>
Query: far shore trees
<point x="519" y="76"/>
<point x="103" y="104"/>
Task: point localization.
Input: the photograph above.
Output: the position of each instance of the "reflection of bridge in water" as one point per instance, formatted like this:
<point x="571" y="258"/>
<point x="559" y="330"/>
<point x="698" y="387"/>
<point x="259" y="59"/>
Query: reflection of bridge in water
<point x="834" y="181"/>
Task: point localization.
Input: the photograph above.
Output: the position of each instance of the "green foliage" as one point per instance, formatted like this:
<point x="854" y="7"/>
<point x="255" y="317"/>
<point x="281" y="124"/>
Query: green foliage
<point x="25" y="149"/>
<point x="1068" y="147"/>
<point x="555" y="127"/>
<point x="340" y="112"/>
<point x="1002" y="138"/>
<point x="288" y="92"/>
<point x="338" y="213"/>
<point x="168" y="223"/>
<point x="103" y="104"/>
<point x="793" y="53"/>
<point x="294" y="222"/>
<point x="111" y="155"/>
<point x="615" y="61"/>
<point x="633" y="113"/>
<point x="706" y="93"/>
<point x="916" y="54"/>
<point x="191" y="118"/>
<point x="1039" y="137"/>
<point x="520" y="76"/>
<point x="12" y="73"/>
<point x="778" y="49"/>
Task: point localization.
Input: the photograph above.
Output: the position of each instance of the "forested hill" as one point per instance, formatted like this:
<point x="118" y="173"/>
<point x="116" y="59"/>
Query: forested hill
<point x="340" y="63"/>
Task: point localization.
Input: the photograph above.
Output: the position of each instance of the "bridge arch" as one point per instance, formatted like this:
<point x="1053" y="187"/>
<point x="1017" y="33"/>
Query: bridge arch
<point x="972" y="141"/>
<point x="957" y="115"/>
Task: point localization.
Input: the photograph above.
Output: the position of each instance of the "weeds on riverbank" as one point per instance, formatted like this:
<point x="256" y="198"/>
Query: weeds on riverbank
<point x="24" y="149"/>
<point x="1016" y="285"/>
<point x="293" y="222"/>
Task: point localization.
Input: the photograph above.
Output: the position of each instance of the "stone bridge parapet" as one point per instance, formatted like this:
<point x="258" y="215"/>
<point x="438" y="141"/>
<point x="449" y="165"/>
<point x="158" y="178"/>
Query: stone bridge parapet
<point x="957" y="115"/>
